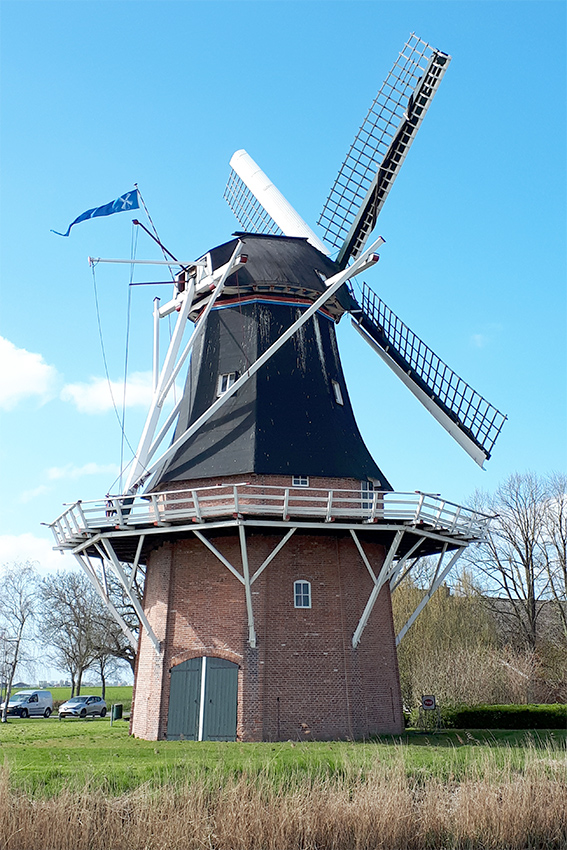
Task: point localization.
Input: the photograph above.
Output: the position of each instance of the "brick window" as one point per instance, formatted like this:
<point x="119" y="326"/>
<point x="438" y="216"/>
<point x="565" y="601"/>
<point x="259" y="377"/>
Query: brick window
<point x="225" y="382"/>
<point x="300" y="481"/>
<point x="302" y="594"/>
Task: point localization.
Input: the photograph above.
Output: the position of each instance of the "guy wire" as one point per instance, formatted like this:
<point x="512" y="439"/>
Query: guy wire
<point x="109" y="382"/>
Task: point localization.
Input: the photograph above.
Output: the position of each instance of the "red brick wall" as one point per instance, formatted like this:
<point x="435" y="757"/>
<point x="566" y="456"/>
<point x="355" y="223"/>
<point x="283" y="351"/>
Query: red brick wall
<point x="304" y="679"/>
<point x="266" y="480"/>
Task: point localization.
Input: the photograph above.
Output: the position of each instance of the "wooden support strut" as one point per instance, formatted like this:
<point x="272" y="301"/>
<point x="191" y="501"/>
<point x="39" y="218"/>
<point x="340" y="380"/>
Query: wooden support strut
<point x="247" y="590"/>
<point x="427" y="596"/>
<point x="383" y="577"/>
<point x="86" y="566"/>
<point x="119" y="570"/>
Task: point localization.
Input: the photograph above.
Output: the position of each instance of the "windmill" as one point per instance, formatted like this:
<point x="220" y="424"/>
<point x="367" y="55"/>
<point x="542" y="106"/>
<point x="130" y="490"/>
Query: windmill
<point x="267" y="538"/>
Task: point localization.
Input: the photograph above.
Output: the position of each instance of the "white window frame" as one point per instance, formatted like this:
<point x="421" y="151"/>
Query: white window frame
<point x="367" y="491"/>
<point x="301" y="593"/>
<point x="225" y="381"/>
<point x="337" y="392"/>
<point x="300" y="481"/>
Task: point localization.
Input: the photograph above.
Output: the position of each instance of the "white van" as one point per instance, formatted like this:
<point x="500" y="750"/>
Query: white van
<point x="30" y="704"/>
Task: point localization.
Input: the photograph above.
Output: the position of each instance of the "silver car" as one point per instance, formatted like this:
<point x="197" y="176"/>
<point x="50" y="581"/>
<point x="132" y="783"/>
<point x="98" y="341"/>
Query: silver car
<point x="82" y="707"/>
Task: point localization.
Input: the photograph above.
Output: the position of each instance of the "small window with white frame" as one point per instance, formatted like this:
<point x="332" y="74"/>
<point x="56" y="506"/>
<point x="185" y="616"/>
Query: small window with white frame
<point x="337" y="392"/>
<point x="300" y="481"/>
<point x="367" y="488"/>
<point x="225" y="381"/>
<point x="302" y="594"/>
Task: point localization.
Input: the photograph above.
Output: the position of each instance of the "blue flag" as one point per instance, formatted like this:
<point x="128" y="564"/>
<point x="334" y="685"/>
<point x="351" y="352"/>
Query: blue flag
<point x="128" y="201"/>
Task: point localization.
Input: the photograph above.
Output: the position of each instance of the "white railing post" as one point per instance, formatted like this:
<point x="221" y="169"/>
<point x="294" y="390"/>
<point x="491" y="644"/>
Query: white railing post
<point x="419" y="506"/>
<point x="329" y="514"/>
<point x="372" y="517"/>
<point x="196" y="505"/>
<point x="82" y="515"/>
<point x="285" y="516"/>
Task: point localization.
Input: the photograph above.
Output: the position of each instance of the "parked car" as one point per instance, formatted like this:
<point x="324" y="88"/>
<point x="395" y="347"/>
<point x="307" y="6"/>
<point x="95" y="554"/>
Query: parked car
<point x="83" y="706"/>
<point x="30" y="703"/>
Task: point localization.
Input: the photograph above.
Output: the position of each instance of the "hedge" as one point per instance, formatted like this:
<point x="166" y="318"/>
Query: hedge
<point x="506" y="717"/>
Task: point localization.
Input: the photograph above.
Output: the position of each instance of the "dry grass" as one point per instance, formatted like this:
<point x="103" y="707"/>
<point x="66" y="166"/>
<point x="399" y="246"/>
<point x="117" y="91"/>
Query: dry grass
<point x="494" y="805"/>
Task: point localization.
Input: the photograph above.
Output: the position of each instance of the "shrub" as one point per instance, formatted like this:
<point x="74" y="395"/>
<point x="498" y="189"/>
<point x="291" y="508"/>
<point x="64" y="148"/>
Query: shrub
<point x="506" y="717"/>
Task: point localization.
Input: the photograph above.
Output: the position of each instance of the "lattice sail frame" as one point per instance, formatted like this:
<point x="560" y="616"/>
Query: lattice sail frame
<point x="247" y="209"/>
<point x="478" y="420"/>
<point x="380" y="147"/>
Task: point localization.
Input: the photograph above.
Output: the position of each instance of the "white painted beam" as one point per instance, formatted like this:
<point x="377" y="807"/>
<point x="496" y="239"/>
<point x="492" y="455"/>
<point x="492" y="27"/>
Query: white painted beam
<point x="378" y="585"/>
<point x="247" y="590"/>
<point x="427" y="596"/>
<point x="277" y="207"/>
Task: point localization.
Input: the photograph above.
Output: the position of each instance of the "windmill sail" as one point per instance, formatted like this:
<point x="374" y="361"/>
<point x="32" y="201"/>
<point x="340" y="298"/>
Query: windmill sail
<point x="247" y="209"/>
<point x="380" y="147"/>
<point x="259" y="206"/>
<point x="467" y="416"/>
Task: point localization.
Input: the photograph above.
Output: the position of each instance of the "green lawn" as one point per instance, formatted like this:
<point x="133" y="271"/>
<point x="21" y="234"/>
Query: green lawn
<point x="44" y="756"/>
<point x="113" y="694"/>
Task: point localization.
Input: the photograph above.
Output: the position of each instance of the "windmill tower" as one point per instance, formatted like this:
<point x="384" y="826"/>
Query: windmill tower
<point x="261" y="545"/>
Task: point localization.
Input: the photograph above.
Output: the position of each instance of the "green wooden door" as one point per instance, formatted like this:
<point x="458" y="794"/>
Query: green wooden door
<point x="220" y="700"/>
<point x="185" y="700"/>
<point x="198" y="713"/>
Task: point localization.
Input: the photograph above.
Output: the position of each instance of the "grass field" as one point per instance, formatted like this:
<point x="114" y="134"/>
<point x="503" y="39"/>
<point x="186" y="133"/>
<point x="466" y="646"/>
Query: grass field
<point x="113" y="694"/>
<point x="86" y="785"/>
<point x="45" y="756"/>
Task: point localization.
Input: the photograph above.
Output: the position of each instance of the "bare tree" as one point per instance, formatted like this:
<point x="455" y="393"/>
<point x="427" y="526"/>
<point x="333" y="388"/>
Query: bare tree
<point x="117" y="643"/>
<point x="70" y="616"/>
<point x="18" y="594"/>
<point x="555" y="543"/>
<point x="513" y="559"/>
<point x="81" y="629"/>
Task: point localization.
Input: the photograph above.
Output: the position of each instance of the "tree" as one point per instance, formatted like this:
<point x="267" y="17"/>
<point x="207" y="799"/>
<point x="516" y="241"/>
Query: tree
<point x="522" y="569"/>
<point x="71" y="612"/>
<point x="513" y="559"/>
<point x="117" y="643"/>
<point x="18" y="589"/>
<point x="450" y="650"/>
<point x="80" y="628"/>
<point x="555" y="543"/>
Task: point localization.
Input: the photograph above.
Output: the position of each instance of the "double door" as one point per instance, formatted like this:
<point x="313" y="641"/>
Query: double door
<point x="203" y="700"/>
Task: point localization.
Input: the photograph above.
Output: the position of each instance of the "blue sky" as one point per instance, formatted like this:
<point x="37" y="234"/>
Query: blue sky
<point x="99" y="95"/>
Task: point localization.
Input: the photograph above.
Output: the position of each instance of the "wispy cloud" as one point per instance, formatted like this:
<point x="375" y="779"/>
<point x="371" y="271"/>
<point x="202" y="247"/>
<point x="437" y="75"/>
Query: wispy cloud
<point x="96" y="395"/>
<point x="69" y="471"/>
<point x="479" y="340"/>
<point x="30" y="495"/>
<point x="19" y="548"/>
<point x="24" y="375"/>
<point x="486" y="336"/>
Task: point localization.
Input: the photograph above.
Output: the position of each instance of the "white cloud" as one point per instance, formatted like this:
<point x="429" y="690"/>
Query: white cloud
<point x="95" y="396"/>
<point x="19" y="548"/>
<point x="30" y="495"/>
<point x="479" y="340"/>
<point x="23" y="374"/>
<point x="487" y="336"/>
<point x="69" y="471"/>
